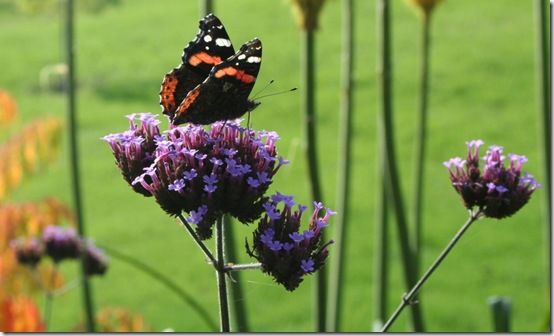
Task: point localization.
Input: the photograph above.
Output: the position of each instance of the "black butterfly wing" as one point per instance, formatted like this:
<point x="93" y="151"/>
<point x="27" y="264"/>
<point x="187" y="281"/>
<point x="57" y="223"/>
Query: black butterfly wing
<point x="224" y="94"/>
<point x="211" y="46"/>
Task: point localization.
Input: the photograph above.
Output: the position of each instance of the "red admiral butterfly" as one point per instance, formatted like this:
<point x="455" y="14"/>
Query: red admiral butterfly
<point x="213" y="82"/>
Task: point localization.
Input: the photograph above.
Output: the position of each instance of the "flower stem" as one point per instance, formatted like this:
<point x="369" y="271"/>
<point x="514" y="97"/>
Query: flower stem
<point x="220" y="274"/>
<point x="382" y="248"/>
<point x="421" y="140"/>
<point x="242" y="267"/>
<point x="308" y="106"/>
<point x="198" y="241"/>
<point x="49" y="295"/>
<point x="238" y="301"/>
<point x="164" y="280"/>
<point x="345" y="141"/>
<point x="407" y="299"/>
<point x="206" y="7"/>
<point x="385" y="82"/>
<point x="74" y="159"/>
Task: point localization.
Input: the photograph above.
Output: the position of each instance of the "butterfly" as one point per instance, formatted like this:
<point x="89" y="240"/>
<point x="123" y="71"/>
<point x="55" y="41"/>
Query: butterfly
<point x="213" y="82"/>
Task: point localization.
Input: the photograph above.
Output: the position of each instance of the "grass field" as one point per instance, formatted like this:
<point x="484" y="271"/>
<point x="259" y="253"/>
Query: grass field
<point x="483" y="86"/>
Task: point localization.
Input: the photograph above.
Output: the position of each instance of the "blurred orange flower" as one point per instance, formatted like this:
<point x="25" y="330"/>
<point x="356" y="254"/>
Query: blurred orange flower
<point x="20" y="314"/>
<point x="8" y="108"/>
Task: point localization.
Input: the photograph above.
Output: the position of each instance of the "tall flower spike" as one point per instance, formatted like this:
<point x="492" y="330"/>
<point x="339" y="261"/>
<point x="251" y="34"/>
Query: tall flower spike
<point x="133" y="149"/>
<point x="498" y="191"/>
<point x="284" y="252"/>
<point x="61" y="243"/>
<point x="206" y="173"/>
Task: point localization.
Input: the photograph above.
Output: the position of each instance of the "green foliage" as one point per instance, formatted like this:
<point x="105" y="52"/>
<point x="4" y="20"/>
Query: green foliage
<point x="35" y="7"/>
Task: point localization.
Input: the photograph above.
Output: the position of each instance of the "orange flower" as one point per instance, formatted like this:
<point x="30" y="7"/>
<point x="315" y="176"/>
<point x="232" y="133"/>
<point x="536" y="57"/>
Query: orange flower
<point x="8" y="108"/>
<point x="20" y="314"/>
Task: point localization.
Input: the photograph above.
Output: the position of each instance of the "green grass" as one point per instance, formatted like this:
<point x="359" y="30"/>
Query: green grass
<point x="483" y="86"/>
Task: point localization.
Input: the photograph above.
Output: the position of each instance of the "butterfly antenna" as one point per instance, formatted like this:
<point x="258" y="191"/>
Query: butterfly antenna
<point x="277" y="93"/>
<point x="263" y="89"/>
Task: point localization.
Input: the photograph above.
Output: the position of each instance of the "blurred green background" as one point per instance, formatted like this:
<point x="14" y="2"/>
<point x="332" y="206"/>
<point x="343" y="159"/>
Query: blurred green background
<point x="483" y="85"/>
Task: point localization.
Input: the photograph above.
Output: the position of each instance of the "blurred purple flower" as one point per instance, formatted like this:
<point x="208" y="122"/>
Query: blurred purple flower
<point x="498" y="191"/>
<point x="133" y="149"/>
<point x="96" y="262"/>
<point x="61" y="243"/>
<point x="283" y="251"/>
<point x="28" y="251"/>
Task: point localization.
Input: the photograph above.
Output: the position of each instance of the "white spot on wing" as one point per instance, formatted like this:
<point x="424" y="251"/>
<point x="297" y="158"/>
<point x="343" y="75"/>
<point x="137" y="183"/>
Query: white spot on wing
<point x="242" y="56"/>
<point x="207" y="38"/>
<point x="254" y="59"/>
<point x="207" y="48"/>
<point x="220" y="27"/>
<point x="221" y="42"/>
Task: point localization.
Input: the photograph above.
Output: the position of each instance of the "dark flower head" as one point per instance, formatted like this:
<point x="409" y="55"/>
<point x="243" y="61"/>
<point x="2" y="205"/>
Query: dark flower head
<point x="133" y="149"/>
<point x="284" y="252"/>
<point x="206" y="173"/>
<point x="28" y="251"/>
<point x="96" y="262"/>
<point x="498" y="190"/>
<point x="61" y="243"/>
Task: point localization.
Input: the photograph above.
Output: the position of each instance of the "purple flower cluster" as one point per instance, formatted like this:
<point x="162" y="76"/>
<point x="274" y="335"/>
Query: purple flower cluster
<point x="59" y="244"/>
<point x="28" y="251"/>
<point x="284" y="252"/>
<point x="134" y="148"/>
<point x="498" y="191"/>
<point x="205" y="173"/>
<point x="96" y="262"/>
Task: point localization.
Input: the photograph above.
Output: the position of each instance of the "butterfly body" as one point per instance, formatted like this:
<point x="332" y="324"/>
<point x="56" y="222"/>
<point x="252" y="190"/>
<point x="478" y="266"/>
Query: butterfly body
<point x="213" y="82"/>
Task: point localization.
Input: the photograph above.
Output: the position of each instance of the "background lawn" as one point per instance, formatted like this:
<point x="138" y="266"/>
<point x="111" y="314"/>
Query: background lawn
<point x="483" y="86"/>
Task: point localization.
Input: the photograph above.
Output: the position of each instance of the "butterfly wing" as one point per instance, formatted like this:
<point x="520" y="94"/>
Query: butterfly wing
<point x="224" y="94"/>
<point x="210" y="47"/>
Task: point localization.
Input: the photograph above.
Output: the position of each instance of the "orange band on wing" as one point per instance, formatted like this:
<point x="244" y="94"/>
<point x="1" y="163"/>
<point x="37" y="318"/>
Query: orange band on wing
<point x="238" y="74"/>
<point x="203" y="57"/>
<point x="189" y="99"/>
<point x="169" y="86"/>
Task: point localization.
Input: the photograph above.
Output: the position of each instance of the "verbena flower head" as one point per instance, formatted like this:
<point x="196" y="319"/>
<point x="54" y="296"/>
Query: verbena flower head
<point x="285" y="252"/>
<point x="133" y="149"/>
<point x="500" y="189"/>
<point x="96" y="262"/>
<point x="206" y="173"/>
<point x="61" y="243"/>
<point x="28" y="251"/>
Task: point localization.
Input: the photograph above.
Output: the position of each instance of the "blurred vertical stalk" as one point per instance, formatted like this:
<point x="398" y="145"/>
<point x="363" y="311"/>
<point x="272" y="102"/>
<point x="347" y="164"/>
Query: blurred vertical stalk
<point x="381" y="244"/>
<point x="543" y="72"/>
<point x="344" y="170"/>
<point x="307" y="16"/>
<point x="237" y="294"/>
<point x="501" y="308"/>
<point x="385" y="83"/>
<point x="74" y="159"/>
<point x="206" y="7"/>
<point x="308" y="106"/>
<point x="220" y="274"/>
<point x="421" y="140"/>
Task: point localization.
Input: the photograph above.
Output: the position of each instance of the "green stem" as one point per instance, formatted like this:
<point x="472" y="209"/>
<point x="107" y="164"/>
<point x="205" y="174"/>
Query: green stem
<point x="381" y="246"/>
<point x="48" y="296"/>
<point x="385" y="82"/>
<point x="308" y="106"/>
<point x="242" y="267"/>
<point x="237" y="295"/>
<point x="220" y="274"/>
<point x="344" y="170"/>
<point x="74" y="160"/>
<point x="421" y="140"/>
<point x="164" y="280"/>
<point x="198" y="241"/>
<point x="206" y="7"/>
<point x="543" y="73"/>
<point x="408" y="299"/>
